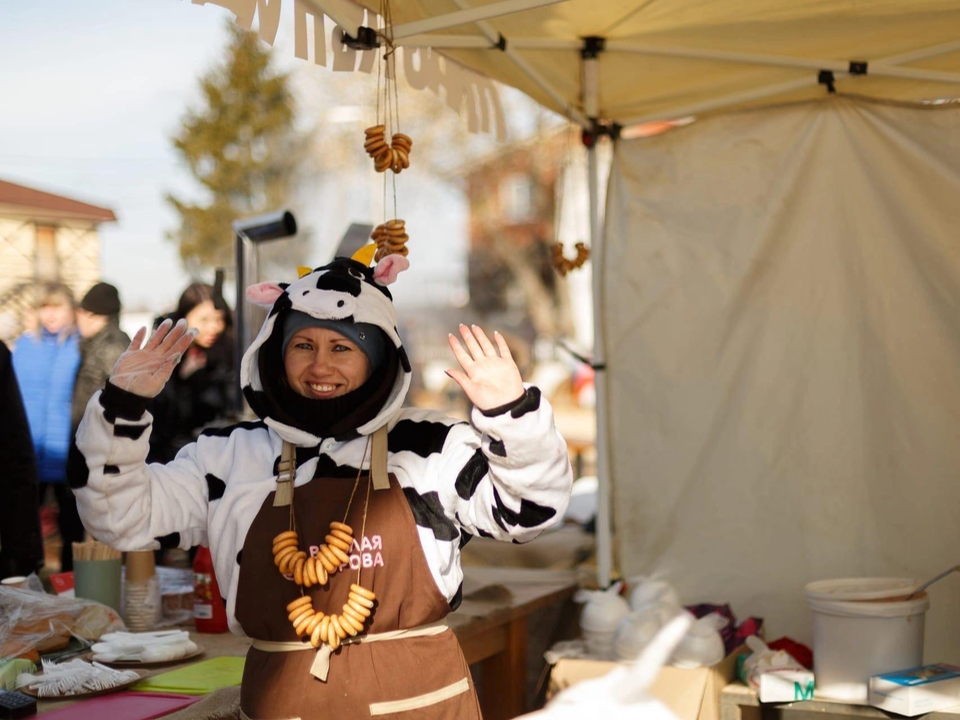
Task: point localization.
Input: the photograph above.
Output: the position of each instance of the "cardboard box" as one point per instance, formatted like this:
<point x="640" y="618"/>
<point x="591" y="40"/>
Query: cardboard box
<point x="690" y="694"/>
<point x="916" y="691"/>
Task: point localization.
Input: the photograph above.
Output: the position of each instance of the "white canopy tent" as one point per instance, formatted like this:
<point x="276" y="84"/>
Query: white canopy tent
<point x="616" y="63"/>
<point x="613" y="64"/>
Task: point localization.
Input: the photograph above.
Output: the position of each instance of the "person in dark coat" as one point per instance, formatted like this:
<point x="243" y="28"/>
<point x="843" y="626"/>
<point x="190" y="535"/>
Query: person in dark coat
<point x="200" y="391"/>
<point x="21" y="542"/>
<point x="102" y="342"/>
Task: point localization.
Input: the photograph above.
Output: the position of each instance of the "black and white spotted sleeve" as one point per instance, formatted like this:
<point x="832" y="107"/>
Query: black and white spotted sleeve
<point x="508" y="475"/>
<point x="122" y="500"/>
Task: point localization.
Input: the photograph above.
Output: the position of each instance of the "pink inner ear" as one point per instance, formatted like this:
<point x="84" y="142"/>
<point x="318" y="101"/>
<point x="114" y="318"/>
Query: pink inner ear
<point x="265" y="293"/>
<point x="387" y="269"/>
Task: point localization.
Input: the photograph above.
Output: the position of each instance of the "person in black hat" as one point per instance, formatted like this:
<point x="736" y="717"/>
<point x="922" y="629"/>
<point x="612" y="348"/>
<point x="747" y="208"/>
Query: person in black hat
<point x="101" y="343"/>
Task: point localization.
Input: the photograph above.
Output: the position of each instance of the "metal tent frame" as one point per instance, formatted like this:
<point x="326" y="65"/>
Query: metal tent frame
<point x="349" y="16"/>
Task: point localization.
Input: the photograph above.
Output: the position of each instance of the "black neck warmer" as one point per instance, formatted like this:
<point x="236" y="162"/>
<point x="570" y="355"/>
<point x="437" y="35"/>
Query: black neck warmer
<point x="338" y="417"/>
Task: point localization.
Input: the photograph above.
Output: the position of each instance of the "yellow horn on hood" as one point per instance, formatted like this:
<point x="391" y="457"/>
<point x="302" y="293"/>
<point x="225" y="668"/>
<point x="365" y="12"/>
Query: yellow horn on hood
<point x="365" y="254"/>
<point x="303" y="270"/>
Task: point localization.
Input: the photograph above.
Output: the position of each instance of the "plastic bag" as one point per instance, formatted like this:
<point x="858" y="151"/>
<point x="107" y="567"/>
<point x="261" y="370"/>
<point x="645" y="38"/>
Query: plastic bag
<point x="34" y="622"/>
<point x="764" y="660"/>
<point x="600" y="617"/>
<point x="648" y="592"/>
<point x="654" y="603"/>
<point x="702" y="646"/>
<point x="176" y="591"/>
<point x="621" y="693"/>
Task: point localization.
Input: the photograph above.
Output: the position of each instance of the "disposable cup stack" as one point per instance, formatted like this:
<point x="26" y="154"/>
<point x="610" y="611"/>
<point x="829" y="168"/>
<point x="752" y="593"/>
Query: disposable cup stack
<point x="142" y="601"/>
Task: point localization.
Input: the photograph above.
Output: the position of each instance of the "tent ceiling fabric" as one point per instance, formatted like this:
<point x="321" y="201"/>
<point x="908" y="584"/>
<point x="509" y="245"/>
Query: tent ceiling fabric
<point x="638" y="86"/>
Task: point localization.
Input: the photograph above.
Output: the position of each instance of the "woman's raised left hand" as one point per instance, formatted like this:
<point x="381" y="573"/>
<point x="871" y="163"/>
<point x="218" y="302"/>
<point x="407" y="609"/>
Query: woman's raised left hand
<point x="489" y="378"/>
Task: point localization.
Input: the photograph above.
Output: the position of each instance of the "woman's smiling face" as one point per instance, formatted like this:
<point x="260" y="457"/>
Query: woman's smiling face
<point x="321" y="364"/>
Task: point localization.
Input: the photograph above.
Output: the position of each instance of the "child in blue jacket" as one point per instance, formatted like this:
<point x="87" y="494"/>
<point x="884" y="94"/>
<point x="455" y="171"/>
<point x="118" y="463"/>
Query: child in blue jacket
<point x="45" y="362"/>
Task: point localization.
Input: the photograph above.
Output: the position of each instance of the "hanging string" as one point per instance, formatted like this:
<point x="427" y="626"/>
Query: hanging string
<point x="363" y="526"/>
<point x="293" y="517"/>
<point x="378" y="92"/>
<point x="396" y="113"/>
<point x="391" y="104"/>
<point x="356" y="483"/>
<point x="561" y="184"/>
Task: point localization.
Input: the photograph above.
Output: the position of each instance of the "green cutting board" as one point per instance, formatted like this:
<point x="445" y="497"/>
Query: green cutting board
<point x="198" y="679"/>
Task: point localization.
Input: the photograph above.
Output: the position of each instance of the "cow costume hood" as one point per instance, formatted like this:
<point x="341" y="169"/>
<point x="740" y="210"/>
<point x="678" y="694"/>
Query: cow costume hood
<point x="344" y="291"/>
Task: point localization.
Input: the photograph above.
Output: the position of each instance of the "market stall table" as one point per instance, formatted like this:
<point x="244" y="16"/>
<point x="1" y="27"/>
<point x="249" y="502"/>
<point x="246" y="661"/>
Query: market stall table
<point x="491" y="625"/>
<point x="224" y="644"/>
<point x="738" y="702"/>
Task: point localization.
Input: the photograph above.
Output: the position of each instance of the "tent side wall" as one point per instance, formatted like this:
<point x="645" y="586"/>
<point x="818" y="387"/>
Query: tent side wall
<point x="783" y="340"/>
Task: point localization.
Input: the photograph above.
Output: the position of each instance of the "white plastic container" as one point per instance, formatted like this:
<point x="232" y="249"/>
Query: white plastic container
<point x="863" y="627"/>
<point x="635" y="632"/>
<point x="603" y="612"/>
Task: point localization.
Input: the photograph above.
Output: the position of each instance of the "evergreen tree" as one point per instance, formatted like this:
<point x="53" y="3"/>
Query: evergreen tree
<point x="242" y="148"/>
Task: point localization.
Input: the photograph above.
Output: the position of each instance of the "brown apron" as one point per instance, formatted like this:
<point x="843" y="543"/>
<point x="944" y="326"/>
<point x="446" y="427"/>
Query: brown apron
<point x="426" y="678"/>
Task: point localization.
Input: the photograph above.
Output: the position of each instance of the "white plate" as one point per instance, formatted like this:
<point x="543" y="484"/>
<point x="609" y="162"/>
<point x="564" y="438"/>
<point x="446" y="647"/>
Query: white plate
<point x="136" y="663"/>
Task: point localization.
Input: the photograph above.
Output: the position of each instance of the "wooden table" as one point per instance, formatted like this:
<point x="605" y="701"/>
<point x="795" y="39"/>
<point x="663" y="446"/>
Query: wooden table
<point x="491" y="625"/>
<point x="738" y="702"/>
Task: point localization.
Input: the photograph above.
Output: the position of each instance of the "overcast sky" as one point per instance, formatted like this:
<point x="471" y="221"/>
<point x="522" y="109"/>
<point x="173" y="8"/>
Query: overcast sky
<point x="92" y="92"/>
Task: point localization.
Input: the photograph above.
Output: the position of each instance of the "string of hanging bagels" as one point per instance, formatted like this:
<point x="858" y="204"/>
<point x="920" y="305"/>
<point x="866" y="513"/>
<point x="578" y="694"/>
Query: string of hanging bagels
<point x="561" y="263"/>
<point x="389" y="157"/>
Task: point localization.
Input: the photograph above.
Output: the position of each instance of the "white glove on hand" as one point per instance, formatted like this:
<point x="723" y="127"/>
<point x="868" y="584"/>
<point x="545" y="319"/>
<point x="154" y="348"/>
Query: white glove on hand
<point x="489" y="378"/>
<point x="144" y="371"/>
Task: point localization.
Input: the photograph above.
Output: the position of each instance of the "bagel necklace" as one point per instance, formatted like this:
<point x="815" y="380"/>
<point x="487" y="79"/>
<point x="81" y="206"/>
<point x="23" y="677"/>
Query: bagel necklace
<point x="309" y="571"/>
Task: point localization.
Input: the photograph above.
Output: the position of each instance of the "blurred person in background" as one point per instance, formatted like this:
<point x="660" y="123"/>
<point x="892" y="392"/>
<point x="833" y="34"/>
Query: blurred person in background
<point x="199" y="392"/>
<point x="102" y="342"/>
<point x="21" y="543"/>
<point x="45" y="361"/>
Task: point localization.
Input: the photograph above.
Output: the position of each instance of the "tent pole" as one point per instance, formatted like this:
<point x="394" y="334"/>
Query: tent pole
<point x="441" y="42"/>
<point x="591" y="103"/>
<point x="462" y="17"/>
<point x="722" y="102"/>
<point x="347" y="15"/>
<point x="496" y="40"/>
<point x="880" y="68"/>
<point x="922" y="54"/>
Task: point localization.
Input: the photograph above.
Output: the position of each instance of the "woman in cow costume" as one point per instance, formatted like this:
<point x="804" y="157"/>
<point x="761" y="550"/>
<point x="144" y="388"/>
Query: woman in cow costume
<point x="327" y="376"/>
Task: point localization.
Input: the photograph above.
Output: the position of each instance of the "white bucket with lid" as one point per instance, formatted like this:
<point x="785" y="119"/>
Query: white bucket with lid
<point x="863" y="627"/>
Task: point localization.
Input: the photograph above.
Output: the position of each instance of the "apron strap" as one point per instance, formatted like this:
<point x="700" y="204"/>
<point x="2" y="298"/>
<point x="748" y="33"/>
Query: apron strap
<point x="321" y="663"/>
<point x="286" y="473"/>
<point x="378" y="460"/>
<point x="287" y="468"/>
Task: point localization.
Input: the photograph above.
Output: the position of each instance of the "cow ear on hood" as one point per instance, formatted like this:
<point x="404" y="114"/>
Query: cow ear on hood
<point x="387" y="269"/>
<point x="264" y="294"/>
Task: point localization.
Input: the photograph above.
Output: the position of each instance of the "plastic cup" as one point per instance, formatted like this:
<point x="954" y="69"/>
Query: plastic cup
<point x="98" y="580"/>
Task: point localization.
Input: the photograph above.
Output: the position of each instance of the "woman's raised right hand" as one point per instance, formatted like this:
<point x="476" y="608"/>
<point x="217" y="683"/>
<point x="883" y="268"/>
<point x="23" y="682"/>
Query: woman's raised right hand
<point x="145" y="370"/>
